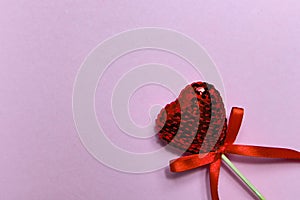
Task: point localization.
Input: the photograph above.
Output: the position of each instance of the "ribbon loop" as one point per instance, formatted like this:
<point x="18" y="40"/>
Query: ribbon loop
<point x="190" y="162"/>
<point x="234" y="124"/>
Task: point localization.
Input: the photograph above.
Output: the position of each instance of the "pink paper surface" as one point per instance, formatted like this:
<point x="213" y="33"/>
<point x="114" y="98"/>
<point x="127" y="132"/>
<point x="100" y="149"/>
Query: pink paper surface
<point x="254" y="44"/>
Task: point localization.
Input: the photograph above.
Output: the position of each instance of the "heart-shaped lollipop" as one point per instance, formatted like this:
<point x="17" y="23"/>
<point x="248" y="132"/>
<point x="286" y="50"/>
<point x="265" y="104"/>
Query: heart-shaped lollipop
<point x="197" y="115"/>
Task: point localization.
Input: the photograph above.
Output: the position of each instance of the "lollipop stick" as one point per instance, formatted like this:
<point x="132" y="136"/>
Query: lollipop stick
<point x="241" y="176"/>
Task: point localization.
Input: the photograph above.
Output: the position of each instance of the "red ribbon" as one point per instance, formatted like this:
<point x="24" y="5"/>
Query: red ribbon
<point x="213" y="159"/>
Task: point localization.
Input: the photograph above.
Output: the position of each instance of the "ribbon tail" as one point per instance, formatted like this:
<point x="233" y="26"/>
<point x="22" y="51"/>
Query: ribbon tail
<point x="265" y="152"/>
<point x="214" y="172"/>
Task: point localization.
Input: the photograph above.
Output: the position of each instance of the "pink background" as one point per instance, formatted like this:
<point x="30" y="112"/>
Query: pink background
<point x="255" y="45"/>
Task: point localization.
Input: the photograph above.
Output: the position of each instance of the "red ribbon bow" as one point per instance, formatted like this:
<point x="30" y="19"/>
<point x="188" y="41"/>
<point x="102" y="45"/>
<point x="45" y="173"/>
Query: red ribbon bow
<point x="214" y="158"/>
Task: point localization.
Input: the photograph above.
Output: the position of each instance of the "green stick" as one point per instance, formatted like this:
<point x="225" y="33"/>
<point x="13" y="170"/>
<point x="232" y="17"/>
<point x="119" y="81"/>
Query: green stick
<point x="244" y="179"/>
